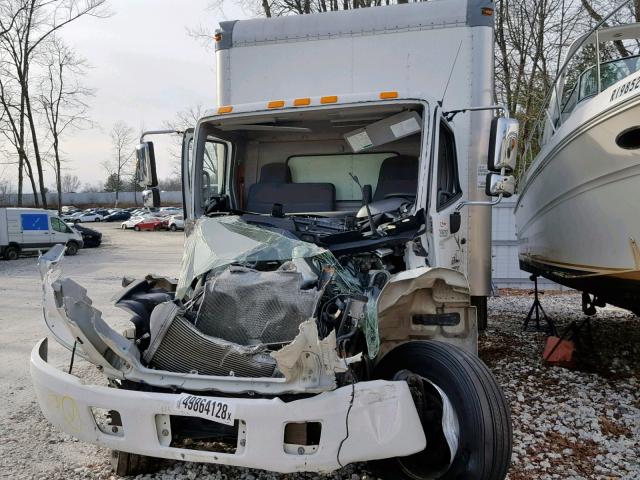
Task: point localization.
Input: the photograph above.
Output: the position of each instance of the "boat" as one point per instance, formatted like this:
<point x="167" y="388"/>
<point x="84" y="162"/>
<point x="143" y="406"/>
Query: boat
<point x="578" y="211"/>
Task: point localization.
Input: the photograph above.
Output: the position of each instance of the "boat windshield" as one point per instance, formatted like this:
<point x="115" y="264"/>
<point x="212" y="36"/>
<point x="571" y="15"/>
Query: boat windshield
<point x="586" y="86"/>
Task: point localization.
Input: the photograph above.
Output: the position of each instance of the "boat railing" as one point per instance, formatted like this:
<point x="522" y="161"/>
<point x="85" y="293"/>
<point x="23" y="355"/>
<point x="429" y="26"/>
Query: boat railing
<point x="589" y="84"/>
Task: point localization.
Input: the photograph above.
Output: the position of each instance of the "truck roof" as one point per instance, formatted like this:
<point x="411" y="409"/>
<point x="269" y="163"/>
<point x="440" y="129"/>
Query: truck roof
<point x="363" y="21"/>
<point x="274" y="105"/>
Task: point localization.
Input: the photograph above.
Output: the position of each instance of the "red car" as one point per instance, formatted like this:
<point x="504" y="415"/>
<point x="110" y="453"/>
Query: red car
<point x="148" y="224"/>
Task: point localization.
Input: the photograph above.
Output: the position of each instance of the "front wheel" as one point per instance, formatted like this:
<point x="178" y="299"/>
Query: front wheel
<point x="11" y="253"/>
<point x="463" y="411"/>
<point x="136" y="228"/>
<point x="173" y="227"/>
<point x="72" y="248"/>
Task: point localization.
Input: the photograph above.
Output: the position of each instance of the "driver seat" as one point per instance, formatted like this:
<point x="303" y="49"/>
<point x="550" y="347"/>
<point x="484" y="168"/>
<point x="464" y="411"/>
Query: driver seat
<point x="398" y="174"/>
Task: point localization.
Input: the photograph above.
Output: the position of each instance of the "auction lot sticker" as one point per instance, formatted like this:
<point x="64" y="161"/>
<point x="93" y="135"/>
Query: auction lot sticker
<point x="214" y="410"/>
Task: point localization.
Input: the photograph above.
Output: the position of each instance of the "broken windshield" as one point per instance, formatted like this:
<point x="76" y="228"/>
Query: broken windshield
<point x="221" y="241"/>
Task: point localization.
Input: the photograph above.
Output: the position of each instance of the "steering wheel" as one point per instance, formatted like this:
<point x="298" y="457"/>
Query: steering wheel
<point x="400" y="195"/>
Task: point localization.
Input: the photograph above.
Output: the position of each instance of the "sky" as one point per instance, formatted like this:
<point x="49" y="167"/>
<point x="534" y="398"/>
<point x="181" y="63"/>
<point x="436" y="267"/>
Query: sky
<point x="144" y="68"/>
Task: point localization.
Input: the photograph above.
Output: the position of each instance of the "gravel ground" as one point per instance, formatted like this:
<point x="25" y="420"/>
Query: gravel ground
<point x="578" y="423"/>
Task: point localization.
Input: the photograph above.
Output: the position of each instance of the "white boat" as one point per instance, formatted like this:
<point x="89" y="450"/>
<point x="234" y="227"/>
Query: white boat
<point x="578" y="212"/>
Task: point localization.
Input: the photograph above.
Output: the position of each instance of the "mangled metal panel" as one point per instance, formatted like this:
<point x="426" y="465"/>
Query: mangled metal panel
<point x="427" y="303"/>
<point x="250" y="307"/>
<point x="69" y="313"/>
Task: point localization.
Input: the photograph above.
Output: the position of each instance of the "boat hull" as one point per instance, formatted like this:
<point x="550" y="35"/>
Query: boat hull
<point x="578" y="215"/>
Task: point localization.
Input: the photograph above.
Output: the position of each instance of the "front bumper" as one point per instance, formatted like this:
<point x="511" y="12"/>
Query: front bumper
<point x="383" y="422"/>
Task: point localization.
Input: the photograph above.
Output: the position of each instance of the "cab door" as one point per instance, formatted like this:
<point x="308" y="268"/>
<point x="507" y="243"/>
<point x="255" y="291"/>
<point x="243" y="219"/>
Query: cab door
<point x="187" y="155"/>
<point x="60" y="233"/>
<point x="448" y="239"/>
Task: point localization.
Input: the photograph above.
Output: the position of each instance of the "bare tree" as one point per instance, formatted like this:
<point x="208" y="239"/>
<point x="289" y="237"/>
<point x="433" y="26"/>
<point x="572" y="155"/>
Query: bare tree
<point x="70" y="183"/>
<point x="184" y="120"/>
<point x="62" y="100"/>
<point x="122" y="139"/>
<point x="34" y="22"/>
<point x="6" y="188"/>
<point x="8" y="16"/>
<point x="92" y="187"/>
<point x="12" y="128"/>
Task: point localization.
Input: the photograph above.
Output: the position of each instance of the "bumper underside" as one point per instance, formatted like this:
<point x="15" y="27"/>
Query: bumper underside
<point x="382" y="422"/>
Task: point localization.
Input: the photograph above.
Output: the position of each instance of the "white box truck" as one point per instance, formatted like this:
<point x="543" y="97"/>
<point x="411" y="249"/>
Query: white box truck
<point x="337" y="232"/>
<point x="25" y="230"/>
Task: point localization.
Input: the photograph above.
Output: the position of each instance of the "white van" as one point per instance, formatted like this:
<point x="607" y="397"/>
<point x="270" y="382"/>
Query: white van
<point x="32" y="229"/>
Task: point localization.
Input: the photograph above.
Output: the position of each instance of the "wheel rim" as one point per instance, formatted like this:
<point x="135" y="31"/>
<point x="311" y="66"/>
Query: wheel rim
<point x="440" y="424"/>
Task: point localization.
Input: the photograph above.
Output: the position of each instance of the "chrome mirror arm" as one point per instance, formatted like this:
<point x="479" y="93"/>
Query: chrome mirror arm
<point x="480" y="203"/>
<point x="159" y="132"/>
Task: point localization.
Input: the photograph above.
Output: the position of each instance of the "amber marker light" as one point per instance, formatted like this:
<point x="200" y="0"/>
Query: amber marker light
<point x="225" y="109"/>
<point x="388" y="95"/>
<point x="301" y="102"/>
<point x="329" y="99"/>
<point x="275" y="104"/>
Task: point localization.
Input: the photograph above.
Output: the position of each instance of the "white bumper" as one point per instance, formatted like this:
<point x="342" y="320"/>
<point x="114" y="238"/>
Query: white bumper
<point x="383" y="421"/>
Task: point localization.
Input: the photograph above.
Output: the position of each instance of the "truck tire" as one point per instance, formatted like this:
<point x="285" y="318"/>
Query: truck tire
<point x="482" y="313"/>
<point x="125" y="463"/>
<point x="483" y="418"/>
<point x="11" y="252"/>
<point x="72" y="248"/>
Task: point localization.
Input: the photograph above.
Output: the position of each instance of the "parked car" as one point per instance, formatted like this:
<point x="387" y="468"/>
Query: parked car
<point x="68" y="217"/>
<point x="131" y="222"/>
<point x="153" y="223"/>
<point x="100" y="211"/>
<point x="69" y="210"/>
<point x="175" y="222"/>
<point x="86" y="217"/>
<point x="117" y="216"/>
<point x="171" y="210"/>
<point x="92" y="238"/>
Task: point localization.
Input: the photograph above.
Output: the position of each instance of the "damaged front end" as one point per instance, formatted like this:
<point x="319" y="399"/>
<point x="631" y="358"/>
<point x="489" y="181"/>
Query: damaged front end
<point x="265" y="343"/>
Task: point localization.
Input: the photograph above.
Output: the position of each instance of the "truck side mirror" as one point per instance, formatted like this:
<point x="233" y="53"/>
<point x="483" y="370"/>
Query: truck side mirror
<point x="503" y="144"/>
<point x="146" y="165"/>
<point x="498" y="184"/>
<point x="151" y="197"/>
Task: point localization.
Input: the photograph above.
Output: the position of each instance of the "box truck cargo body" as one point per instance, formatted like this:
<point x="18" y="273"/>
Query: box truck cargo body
<point x="337" y="234"/>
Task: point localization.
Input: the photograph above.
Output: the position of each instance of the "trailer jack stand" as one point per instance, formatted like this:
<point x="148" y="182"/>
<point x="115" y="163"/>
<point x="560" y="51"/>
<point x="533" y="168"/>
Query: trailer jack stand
<point x="536" y="312"/>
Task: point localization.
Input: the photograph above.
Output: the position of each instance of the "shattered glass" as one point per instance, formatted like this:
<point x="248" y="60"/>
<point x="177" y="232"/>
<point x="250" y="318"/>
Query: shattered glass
<point x="221" y="241"/>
